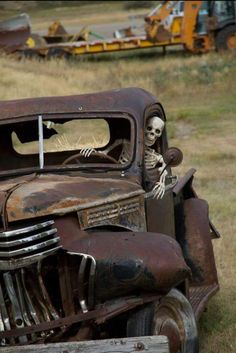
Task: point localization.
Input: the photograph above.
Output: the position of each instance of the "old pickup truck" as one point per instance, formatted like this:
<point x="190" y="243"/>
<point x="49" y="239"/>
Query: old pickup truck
<point x="102" y="247"/>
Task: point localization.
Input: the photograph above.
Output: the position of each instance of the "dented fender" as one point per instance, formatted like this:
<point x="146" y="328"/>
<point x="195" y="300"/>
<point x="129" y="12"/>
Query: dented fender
<point x="128" y="262"/>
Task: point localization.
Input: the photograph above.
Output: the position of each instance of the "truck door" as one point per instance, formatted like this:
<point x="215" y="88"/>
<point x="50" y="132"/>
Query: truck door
<point x="159" y="211"/>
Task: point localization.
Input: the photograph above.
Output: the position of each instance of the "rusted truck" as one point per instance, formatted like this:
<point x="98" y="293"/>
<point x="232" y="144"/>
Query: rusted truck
<point x="92" y="257"/>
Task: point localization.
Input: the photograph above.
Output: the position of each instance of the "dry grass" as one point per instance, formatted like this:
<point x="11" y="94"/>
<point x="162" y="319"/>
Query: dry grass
<point x="198" y="93"/>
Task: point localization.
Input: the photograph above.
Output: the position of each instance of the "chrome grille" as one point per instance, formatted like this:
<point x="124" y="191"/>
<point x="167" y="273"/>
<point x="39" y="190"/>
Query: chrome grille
<point x="83" y="284"/>
<point x="24" y="302"/>
<point x="27" y="245"/>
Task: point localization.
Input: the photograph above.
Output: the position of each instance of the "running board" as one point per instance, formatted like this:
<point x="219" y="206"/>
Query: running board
<point x="199" y="297"/>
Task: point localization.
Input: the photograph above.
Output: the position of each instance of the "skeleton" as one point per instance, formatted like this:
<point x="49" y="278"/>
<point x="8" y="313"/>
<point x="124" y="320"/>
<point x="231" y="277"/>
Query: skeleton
<point x="153" y="131"/>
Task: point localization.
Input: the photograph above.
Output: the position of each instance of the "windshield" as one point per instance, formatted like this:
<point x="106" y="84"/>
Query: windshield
<point x="44" y="142"/>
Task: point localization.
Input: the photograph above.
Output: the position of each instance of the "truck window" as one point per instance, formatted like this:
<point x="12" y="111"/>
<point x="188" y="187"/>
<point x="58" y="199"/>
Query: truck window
<point x="223" y="10"/>
<point x="64" y="137"/>
<point x="70" y="135"/>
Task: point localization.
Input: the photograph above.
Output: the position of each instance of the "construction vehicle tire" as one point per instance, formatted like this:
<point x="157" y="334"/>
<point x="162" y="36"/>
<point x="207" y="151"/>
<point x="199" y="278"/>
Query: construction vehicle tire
<point x="172" y="317"/>
<point x="57" y="53"/>
<point x="226" y="39"/>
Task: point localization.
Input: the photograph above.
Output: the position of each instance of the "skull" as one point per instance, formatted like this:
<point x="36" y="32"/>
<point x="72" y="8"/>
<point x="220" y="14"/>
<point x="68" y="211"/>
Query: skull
<point x="153" y="130"/>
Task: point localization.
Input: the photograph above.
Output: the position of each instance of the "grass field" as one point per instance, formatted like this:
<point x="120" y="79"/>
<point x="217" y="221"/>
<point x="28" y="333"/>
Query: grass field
<point x="199" y="96"/>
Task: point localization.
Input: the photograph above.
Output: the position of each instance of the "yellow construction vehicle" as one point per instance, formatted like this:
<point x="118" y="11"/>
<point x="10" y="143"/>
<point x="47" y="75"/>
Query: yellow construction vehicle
<point x="198" y="26"/>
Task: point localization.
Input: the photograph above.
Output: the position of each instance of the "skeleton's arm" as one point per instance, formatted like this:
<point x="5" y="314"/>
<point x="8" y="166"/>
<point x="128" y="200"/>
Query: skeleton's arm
<point x="159" y="188"/>
<point x="114" y="145"/>
<point x="152" y="158"/>
<point x="88" y="150"/>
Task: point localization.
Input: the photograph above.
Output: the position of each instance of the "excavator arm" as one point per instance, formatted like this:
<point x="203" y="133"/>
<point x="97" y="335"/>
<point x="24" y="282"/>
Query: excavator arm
<point x="160" y="12"/>
<point x="157" y="31"/>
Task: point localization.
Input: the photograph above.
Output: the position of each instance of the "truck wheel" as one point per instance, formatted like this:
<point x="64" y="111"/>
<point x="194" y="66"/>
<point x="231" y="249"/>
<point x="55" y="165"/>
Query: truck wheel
<point x="226" y="39"/>
<point x="172" y="317"/>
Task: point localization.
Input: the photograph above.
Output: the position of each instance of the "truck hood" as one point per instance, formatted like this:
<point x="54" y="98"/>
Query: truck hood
<point x="42" y="195"/>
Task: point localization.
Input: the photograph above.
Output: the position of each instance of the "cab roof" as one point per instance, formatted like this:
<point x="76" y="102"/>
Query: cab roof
<point x="133" y="101"/>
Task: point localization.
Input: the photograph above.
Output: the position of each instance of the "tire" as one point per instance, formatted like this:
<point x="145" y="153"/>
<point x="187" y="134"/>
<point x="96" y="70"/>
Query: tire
<point x="140" y="322"/>
<point x="172" y="317"/>
<point x="57" y="53"/>
<point x="226" y="39"/>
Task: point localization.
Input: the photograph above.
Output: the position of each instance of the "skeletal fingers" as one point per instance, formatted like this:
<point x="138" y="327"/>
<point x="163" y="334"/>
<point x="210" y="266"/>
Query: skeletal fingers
<point x="87" y="151"/>
<point x="158" y="190"/>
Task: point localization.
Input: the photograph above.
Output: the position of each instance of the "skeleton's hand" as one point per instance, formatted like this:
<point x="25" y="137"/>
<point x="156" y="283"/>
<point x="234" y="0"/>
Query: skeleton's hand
<point x="159" y="188"/>
<point x="86" y="151"/>
<point x="151" y="158"/>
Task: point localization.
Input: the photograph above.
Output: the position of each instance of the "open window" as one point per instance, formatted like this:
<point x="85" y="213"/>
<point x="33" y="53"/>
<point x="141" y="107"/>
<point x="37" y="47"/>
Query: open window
<point x="157" y="147"/>
<point x="47" y="141"/>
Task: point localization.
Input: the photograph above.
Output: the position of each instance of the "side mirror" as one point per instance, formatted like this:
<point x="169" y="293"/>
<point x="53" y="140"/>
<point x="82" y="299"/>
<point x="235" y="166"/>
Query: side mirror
<point x="173" y="156"/>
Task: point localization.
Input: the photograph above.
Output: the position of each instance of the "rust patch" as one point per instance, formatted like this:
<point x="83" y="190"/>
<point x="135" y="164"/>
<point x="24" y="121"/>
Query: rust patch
<point x="50" y="194"/>
<point x="128" y="262"/>
<point x="197" y="245"/>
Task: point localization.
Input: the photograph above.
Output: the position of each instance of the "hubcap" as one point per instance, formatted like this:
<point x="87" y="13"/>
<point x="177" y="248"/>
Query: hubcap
<point x="170" y="329"/>
<point x="174" y="318"/>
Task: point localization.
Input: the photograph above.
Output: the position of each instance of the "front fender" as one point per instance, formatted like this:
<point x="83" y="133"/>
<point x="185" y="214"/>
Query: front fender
<point x="132" y="262"/>
<point x="195" y="231"/>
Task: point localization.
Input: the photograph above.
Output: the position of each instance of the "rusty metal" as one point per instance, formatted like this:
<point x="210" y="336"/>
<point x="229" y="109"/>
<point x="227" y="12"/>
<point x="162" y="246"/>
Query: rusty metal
<point x="199" y="297"/>
<point x="14" y="32"/>
<point x="133" y="101"/>
<point x="56" y="195"/>
<point x="127" y="262"/>
<point x="128" y="213"/>
<point x="104" y="228"/>
<point x="174" y="318"/>
<point x="107" y="311"/>
<point x="202" y="260"/>
<point x="173" y="157"/>
<point x="188" y="177"/>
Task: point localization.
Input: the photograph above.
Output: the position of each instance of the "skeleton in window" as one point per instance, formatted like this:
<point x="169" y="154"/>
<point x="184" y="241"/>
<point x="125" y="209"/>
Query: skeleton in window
<point x="152" y="159"/>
